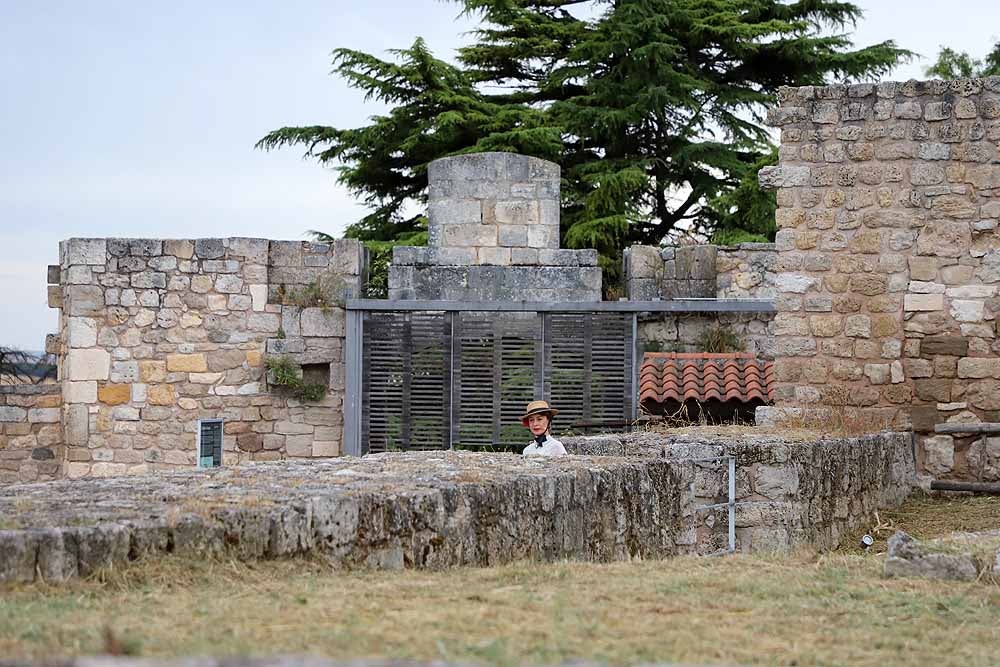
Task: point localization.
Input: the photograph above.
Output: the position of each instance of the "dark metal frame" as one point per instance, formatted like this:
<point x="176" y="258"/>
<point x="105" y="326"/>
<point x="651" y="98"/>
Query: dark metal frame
<point x="354" y="333"/>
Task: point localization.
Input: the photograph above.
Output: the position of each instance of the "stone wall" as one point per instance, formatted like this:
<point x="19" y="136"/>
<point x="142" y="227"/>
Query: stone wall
<point x="789" y="492"/>
<point x="158" y="334"/>
<point x="419" y="509"/>
<point x="31" y="443"/>
<point x="748" y="270"/>
<point x="888" y="203"/>
<point x="493" y="227"/>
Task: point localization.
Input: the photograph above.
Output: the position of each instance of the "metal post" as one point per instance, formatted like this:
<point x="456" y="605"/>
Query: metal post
<point x="636" y="366"/>
<point x="353" y="362"/>
<point x="732" y="504"/>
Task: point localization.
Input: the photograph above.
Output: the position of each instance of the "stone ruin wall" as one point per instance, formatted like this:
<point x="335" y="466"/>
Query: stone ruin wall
<point x="744" y="271"/>
<point x="888" y="204"/>
<point x="31" y="443"/>
<point x="158" y="334"/>
<point x="788" y="492"/>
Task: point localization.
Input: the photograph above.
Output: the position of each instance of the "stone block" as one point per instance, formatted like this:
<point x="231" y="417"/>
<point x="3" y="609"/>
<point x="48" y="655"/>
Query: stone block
<point x="978" y="367"/>
<point x="967" y="311"/>
<point x="643" y="262"/>
<point x="76" y="425"/>
<point x="43" y="415"/>
<point x="513" y="235"/>
<point x="84" y="300"/>
<point x="160" y="394"/>
<point x="80" y="392"/>
<point x="939" y="454"/>
<point x="543" y="236"/>
<point x="268" y="323"/>
<point x="81" y="332"/>
<point x="944" y="345"/>
<point x="92" y="364"/>
<point x="209" y="248"/>
<point x="410" y="255"/>
<point x="86" y="251"/>
<point x="229" y="284"/>
<point x="152" y="371"/>
<point x="11" y="414"/>
<point x="494" y="256"/>
<point x="469" y="235"/>
<point x="114" y="394"/>
<point x="923" y="302"/>
<point x="323" y="322"/>
<point x="187" y="363"/>
<point x="524" y="256"/>
<point x="858" y="326"/>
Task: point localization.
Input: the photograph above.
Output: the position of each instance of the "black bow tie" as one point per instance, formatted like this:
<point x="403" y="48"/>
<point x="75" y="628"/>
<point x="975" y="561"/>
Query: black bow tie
<point x="540" y="439"/>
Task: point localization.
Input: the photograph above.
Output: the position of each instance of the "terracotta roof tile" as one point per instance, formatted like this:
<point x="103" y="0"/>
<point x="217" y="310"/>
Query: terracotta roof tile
<point x="732" y="376"/>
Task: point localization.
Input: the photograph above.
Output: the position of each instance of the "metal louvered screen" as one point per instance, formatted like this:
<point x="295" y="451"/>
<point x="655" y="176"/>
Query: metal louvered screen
<point x="407" y="381"/>
<point x="588" y="358"/>
<point x="438" y="380"/>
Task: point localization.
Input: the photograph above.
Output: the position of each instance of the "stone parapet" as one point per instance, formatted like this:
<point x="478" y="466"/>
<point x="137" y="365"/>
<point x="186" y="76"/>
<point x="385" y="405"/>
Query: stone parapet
<point x="790" y="492"/>
<point x="397" y="510"/>
<point x="31" y="442"/>
<point x="746" y="270"/>
<point x="496" y="283"/>
<point x="888" y="241"/>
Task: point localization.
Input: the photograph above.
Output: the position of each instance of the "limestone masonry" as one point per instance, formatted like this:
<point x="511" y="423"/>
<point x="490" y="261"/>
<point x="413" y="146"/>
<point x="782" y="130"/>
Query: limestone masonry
<point x="493" y="226"/>
<point x="441" y="509"/>
<point x="746" y="271"/>
<point x="889" y="258"/>
<point x="156" y="335"/>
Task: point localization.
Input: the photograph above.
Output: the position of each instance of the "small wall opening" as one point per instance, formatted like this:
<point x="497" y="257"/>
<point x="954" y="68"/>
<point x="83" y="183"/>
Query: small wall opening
<point x="316" y="374"/>
<point x="209" y="443"/>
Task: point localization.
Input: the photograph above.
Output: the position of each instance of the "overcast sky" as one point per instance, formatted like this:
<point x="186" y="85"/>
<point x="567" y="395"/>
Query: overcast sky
<point x="138" y="118"/>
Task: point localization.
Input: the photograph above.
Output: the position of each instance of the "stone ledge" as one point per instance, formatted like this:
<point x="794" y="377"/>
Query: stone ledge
<point x="427" y="510"/>
<point x="30" y="389"/>
<point x="790" y="493"/>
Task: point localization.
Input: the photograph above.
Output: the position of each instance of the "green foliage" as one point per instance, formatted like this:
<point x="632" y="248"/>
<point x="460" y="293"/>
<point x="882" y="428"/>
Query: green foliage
<point x="951" y="64"/>
<point x="285" y="374"/>
<point x="745" y="214"/>
<point x="719" y="339"/>
<point x="327" y="291"/>
<point x="654" y="110"/>
<point x="20" y="367"/>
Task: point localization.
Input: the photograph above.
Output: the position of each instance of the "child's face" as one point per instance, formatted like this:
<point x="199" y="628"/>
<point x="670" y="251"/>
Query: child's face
<point x="538" y="424"/>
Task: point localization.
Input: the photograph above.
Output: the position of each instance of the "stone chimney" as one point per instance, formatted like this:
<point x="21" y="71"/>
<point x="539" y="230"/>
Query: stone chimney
<point x="494" y="236"/>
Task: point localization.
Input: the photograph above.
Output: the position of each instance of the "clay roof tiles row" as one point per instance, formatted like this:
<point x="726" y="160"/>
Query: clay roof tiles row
<point x="733" y="376"/>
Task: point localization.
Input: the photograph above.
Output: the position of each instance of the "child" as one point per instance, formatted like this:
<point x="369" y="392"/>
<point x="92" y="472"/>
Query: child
<point x="538" y="418"/>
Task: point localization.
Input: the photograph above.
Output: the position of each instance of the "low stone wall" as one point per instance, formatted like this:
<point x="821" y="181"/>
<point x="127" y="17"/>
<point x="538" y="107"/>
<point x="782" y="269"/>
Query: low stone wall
<point x="420" y="509"/>
<point x="789" y="492"/>
<point x="31" y="443"/>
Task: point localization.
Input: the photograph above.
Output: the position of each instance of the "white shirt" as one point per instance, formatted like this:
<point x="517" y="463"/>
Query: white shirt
<point x="551" y="447"/>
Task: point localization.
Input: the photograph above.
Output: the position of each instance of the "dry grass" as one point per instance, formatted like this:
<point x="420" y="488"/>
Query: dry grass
<point x="800" y="609"/>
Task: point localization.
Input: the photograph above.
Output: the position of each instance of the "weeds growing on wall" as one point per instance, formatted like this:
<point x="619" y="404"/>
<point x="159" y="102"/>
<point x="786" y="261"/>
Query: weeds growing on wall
<point x="286" y="375"/>
<point x="327" y="291"/>
<point x="719" y="339"/>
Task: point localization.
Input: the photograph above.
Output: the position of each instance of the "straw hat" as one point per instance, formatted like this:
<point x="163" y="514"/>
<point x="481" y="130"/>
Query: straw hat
<point x="538" y="408"/>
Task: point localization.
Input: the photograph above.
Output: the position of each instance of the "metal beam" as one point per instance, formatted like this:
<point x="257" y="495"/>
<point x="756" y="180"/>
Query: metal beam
<point x="989" y="428"/>
<point x="670" y="306"/>
<point x="353" y="383"/>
